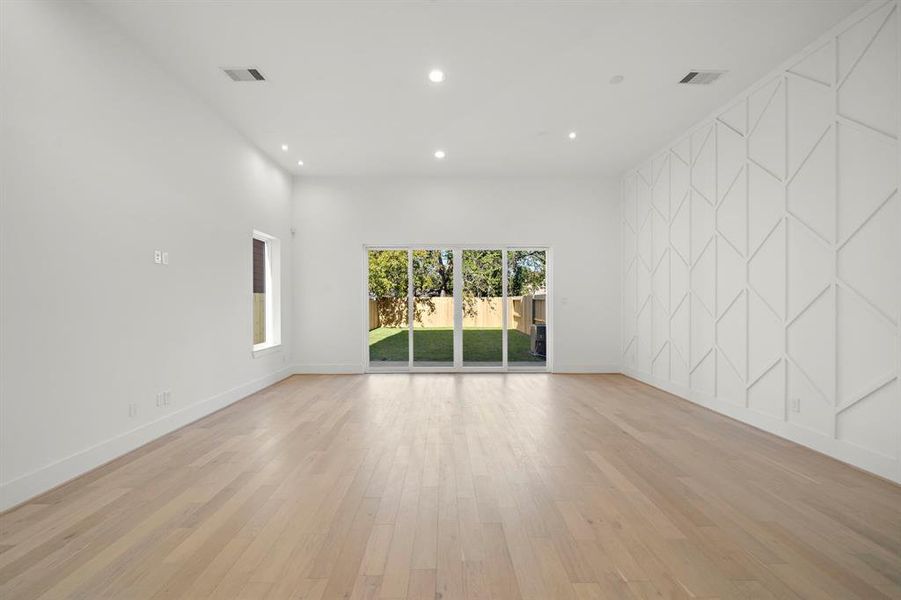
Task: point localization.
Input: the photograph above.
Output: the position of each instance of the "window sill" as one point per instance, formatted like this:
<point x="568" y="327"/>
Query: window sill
<point x="263" y="350"/>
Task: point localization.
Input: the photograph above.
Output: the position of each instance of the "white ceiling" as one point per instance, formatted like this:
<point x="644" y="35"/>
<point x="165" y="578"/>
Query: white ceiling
<point x="347" y="85"/>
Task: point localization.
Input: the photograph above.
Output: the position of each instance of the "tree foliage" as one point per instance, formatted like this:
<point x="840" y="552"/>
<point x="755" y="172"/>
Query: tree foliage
<point x="433" y="276"/>
<point x="388" y="274"/>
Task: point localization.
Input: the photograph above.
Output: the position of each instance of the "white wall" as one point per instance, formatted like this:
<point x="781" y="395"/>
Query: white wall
<point x="106" y="158"/>
<point x="336" y="217"/>
<point x="761" y="252"/>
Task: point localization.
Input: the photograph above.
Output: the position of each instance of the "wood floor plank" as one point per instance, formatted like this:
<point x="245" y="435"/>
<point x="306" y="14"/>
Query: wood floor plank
<point x="472" y="487"/>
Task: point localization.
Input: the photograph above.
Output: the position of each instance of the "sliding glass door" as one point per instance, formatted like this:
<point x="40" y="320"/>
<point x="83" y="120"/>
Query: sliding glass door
<point x="433" y="308"/>
<point x="389" y="340"/>
<point x="454" y="308"/>
<point x="527" y="333"/>
<point x="483" y="308"/>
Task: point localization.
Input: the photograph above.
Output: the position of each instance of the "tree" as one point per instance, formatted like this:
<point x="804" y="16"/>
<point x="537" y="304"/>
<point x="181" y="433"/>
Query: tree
<point x="433" y="277"/>
<point x="433" y="273"/>
<point x="388" y="274"/>
<point x="527" y="272"/>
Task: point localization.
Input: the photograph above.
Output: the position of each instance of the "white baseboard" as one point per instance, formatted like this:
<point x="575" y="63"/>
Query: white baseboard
<point x="861" y="458"/>
<point x="327" y="368"/>
<point x="32" y="484"/>
<point x="586" y="368"/>
<point x="332" y="368"/>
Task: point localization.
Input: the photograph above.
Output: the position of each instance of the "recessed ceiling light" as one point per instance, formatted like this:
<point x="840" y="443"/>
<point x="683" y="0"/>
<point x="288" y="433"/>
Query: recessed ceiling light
<point x="439" y="154"/>
<point x="284" y="147"/>
<point x="572" y="135"/>
<point x="616" y="79"/>
<point x="437" y="76"/>
<point x="300" y="163"/>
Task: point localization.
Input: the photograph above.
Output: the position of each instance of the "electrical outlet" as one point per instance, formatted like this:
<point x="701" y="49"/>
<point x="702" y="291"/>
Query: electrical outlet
<point x="132" y="410"/>
<point x="159" y="399"/>
<point x="165" y="258"/>
<point x="167" y="397"/>
<point x="796" y="405"/>
<point x="158" y="256"/>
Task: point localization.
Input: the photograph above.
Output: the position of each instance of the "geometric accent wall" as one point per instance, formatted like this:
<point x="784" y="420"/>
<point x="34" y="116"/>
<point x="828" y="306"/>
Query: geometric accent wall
<point x="762" y="252"/>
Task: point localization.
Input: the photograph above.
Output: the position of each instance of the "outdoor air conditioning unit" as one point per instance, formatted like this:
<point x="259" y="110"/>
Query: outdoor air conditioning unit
<point x="538" y="339"/>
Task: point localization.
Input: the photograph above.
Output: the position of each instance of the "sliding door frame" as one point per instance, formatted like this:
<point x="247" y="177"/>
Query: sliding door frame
<point x="458" y="366"/>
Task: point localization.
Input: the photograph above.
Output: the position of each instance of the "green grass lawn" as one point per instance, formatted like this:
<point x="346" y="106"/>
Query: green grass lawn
<point x="437" y="344"/>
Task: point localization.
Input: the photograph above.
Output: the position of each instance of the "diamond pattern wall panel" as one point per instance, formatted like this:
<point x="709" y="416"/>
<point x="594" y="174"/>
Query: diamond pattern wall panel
<point x="729" y="385"/>
<point x="811" y="344"/>
<point x="678" y="183"/>
<point x="702" y="225"/>
<point x="867" y="348"/>
<point x="732" y="214"/>
<point x="730" y="275"/>
<point x="730" y="158"/>
<point x="767" y="245"/>
<point x="766" y="145"/>
<point x="660" y="333"/>
<point x="868" y="262"/>
<point x="766" y="271"/>
<point x="760" y="99"/>
<point x="661" y="281"/>
<point x="864" y="425"/>
<point x="809" y="267"/>
<point x="809" y="116"/>
<point x="680" y="329"/>
<point x="703" y="279"/>
<point x="703" y="171"/>
<point x="766" y="205"/>
<point x="817" y="66"/>
<point x="811" y="192"/>
<point x="661" y="367"/>
<point x="731" y="336"/>
<point x="703" y="376"/>
<point x="683" y="150"/>
<point x="680" y="231"/>
<point x="865" y="94"/>
<point x="660" y="193"/>
<point x="629" y="305"/>
<point x="736" y="117"/>
<point x="767" y="394"/>
<point x="678" y="368"/>
<point x="679" y="280"/>
<point x="644" y="348"/>
<point x="702" y="332"/>
<point x="816" y="412"/>
<point x="765" y="337"/>
<point x="659" y="238"/>
<point x="867" y="176"/>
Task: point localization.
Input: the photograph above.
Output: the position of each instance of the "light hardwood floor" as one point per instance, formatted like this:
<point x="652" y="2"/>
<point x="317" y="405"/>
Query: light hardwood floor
<point x="460" y="486"/>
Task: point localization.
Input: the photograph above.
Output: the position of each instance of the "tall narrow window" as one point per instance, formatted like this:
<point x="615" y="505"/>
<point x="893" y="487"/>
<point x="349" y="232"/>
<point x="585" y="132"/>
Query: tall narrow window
<point x="266" y="306"/>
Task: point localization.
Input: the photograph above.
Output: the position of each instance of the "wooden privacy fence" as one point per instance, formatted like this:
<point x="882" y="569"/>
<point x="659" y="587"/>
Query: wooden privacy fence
<point x="259" y="318"/>
<point x="522" y="311"/>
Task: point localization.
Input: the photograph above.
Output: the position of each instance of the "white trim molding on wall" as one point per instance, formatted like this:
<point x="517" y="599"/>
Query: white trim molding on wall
<point x="760" y="251"/>
<point x="37" y="482"/>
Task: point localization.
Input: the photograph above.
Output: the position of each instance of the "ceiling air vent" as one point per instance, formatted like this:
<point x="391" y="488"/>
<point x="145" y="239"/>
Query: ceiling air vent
<point x="701" y="77"/>
<point x="244" y="74"/>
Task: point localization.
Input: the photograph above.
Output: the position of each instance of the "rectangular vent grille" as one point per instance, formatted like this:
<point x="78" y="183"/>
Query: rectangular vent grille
<point x="701" y="77"/>
<point x="244" y="74"/>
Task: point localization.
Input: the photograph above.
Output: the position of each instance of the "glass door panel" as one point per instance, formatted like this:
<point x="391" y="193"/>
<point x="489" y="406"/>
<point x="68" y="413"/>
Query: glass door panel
<point x="527" y="327"/>
<point x="433" y="308"/>
<point x="482" y="306"/>
<point x="388" y="329"/>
